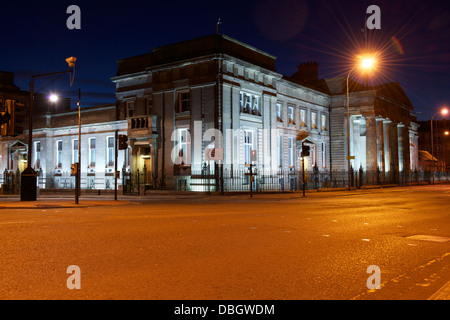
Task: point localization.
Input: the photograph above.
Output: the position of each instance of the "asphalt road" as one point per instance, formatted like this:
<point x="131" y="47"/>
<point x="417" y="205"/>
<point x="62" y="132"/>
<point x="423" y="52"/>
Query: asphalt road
<point x="231" y="247"/>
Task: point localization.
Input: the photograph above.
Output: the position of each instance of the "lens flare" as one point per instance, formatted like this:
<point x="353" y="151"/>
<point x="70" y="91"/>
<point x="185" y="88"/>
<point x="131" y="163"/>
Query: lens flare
<point x="396" y="44"/>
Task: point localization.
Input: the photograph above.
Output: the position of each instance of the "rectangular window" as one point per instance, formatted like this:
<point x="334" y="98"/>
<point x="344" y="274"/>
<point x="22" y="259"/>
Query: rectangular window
<point x="313" y="120"/>
<point x="256" y="106"/>
<point x="324" y="156"/>
<point x="323" y="122"/>
<point x="291" y="151"/>
<point x="130" y="109"/>
<point x="92" y="153"/>
<point x="248" y="145"/>
<point x="279" y="112"/>
<point x="37" y="155"/>
<point x="59" y="154"/>
<point x="303" y="118"/>
<point x="183" y="101"/>
<point x="291" y="115"/>
<point x="248" y="104"/>
<point x="184" y="144"/>
<point x="75" y="151"/>
<point x="110" y="152"/>
<point x="241" y="101"/>
<point x="313" y="156"/>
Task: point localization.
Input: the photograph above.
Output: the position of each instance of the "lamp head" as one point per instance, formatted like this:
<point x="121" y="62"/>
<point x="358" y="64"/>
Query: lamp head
<point x="53" y="98"/>
<point x="367" y="63"/>
<point x="71" y="62"/>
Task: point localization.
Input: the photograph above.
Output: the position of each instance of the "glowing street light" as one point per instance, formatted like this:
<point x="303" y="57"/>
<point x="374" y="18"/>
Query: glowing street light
<point x="28" y="178"/>
<point x="53" y="98"/>
<point x="366" y="63"/>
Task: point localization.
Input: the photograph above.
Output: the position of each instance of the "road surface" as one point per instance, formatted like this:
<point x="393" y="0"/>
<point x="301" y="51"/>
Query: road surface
<point x="204" y="247"/>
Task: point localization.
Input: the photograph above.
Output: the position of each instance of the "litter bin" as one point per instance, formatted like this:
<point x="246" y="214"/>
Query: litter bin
<point x="28" y="185"/>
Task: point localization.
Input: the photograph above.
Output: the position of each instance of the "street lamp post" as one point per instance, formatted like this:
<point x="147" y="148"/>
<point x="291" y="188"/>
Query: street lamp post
<point x="29" y="175"/>
<point x="348" y="132"/>
<point x="442" y="112"/>
<point x="78" y="173"/>
<point x="365" y="63"/>
<point x="77" y="165"/>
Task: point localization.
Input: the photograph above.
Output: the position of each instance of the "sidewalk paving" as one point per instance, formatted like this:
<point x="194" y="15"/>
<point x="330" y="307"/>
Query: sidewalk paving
<point x="43" y="203"/>
<point x="66" y="199"/>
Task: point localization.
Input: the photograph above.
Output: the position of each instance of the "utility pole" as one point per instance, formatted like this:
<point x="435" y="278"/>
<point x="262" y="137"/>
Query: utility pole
<point x="303" y="175"/>
<point x="116" y="138"/>
<point x="251" y="180"/>
<point x="78" y="172"/>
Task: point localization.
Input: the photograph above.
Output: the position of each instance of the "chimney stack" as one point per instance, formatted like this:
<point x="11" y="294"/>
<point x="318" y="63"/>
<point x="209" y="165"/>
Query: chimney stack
<point x="307" y="72"/>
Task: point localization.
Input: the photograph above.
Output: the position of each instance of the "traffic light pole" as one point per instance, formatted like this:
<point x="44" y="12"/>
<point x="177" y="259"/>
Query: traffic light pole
<point x="78" y="173"/>
<point x="251" y="180"/>
<point x="30" y="122"/>
<point x="116" y="140"/>
<point x="303" y="172"/>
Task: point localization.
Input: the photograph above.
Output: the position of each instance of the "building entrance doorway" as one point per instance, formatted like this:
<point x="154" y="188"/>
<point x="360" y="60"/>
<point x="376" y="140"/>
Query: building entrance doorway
<point x="145" y="166"/>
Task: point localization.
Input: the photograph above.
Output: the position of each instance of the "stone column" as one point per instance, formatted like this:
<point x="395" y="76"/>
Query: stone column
<point x="387" y="149"/>
<point x="416" y="151"/>
<point x="380" y="148"/>
<point x="403" y="150"/>
<point x="394" y="149"/>
<point x="356" y="150"/>
<point x="371" y="147"/>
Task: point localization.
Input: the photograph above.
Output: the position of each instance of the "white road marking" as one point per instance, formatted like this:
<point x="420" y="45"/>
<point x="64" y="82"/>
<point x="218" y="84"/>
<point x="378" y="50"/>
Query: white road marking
<point x="426" y="237"/>
<point x="442" y="294"/>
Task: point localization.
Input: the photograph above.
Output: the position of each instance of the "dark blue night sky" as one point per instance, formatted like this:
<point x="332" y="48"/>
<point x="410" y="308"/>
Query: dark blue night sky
<point x="414" y="40"/>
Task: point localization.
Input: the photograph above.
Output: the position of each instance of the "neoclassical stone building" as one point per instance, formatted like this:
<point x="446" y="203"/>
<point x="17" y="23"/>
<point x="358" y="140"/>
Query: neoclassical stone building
<point x="199" y="112"/>
<point x="180" y="96"/>
<point x="383" y="129"/>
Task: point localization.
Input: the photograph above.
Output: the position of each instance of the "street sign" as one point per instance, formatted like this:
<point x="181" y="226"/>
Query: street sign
<point x="350" y="157"/>
<point x="212" y="154"/>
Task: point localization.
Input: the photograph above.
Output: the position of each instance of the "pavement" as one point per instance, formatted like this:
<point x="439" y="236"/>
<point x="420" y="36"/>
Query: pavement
<point x="65" y="199"/>
<point x="46" y="203"/>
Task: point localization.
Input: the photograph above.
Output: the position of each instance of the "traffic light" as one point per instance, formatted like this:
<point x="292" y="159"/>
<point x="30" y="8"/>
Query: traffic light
<point x="253" y="155"/>
<point x="5" y="117"/>
<point x="305" y="151"/>
<point x="123" y="145"/>
<point x="12" y="120"/>
<point x="74" y="169"/>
